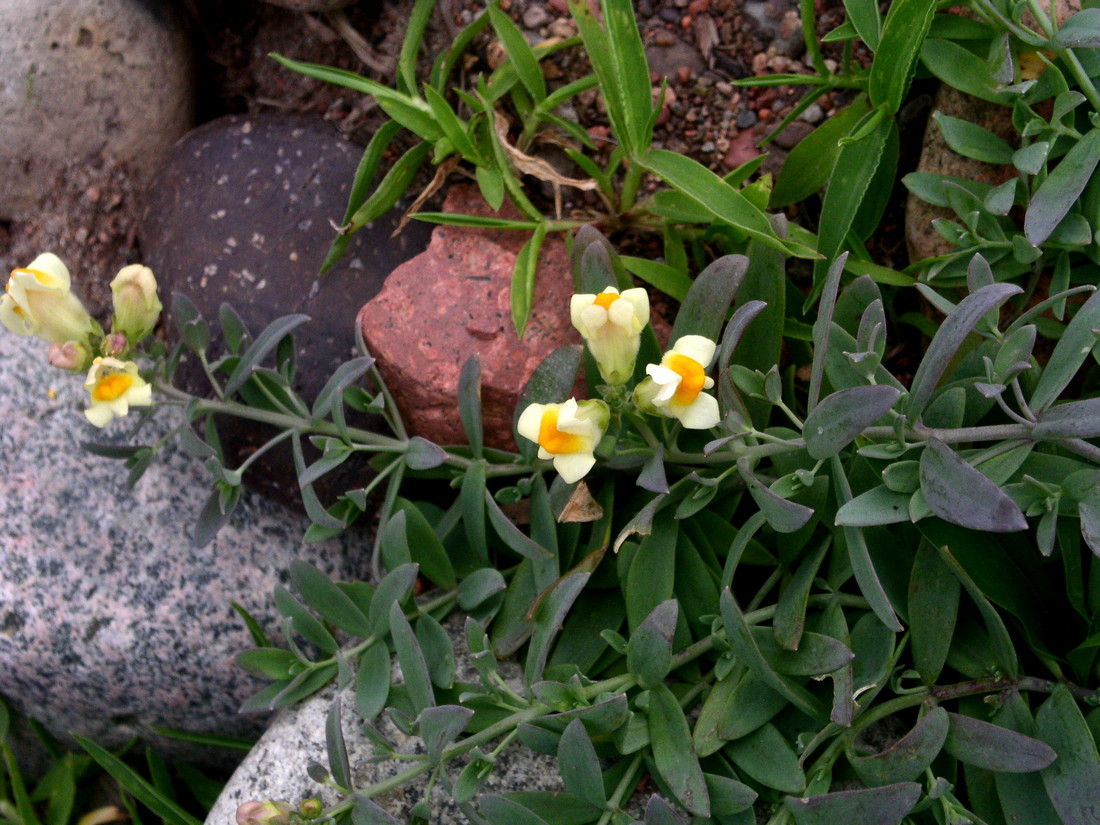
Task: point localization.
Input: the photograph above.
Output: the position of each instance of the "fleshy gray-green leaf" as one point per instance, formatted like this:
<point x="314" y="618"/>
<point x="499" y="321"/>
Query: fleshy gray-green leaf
<point x="959" y="493"/>
<point x="995" y="748"/>
<point x="877" y="806"/>
<point x="955" y="328"/>
<point x="579" y="765"/>
<point x="906" y="758"/>
<point x="1057" y="194"/>
<point x="703" y="311"/>
<point x="673" y="756"/>
<point x="1073" y="780"/>
<point x="649" y="651"/>
<point x="838" y="418"/>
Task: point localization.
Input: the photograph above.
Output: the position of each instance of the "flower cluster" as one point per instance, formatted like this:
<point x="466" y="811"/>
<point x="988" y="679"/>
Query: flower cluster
<point x="611" y="324"/>
<point x="38" y="300"/>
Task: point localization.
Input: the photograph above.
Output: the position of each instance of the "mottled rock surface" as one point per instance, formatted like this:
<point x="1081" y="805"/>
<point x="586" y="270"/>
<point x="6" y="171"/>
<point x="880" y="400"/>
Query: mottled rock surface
<point x="242" y="214"/>
<point x="937" y="158"/>
<point x="453" y="301"/>
<point x="84" y="78"/>
<point x="111" y="622"/>
<point x="276" y="767"/>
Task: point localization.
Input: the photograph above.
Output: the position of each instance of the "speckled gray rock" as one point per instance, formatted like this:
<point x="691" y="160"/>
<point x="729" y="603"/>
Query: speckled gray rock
<point x="86" y="77"/>
<point x="276" y="767"/>
<point x="111" y="622"/>
<point x="242" y="213"/>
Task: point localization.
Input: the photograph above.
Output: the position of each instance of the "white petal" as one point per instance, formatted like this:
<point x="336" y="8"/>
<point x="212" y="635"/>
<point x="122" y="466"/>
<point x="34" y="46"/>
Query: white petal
<point x="697" y="348"/>
<point x="51" y="266"/>
<point x="530" y="422"/>
<point x="573" y="466"/>
<point x="140" y="396"/>
<point x="639" y="299"/>
<point x="592" y="319"/>
<point x="666" y="379"/>
<point x="13" y="320"/>
<point x="700" y="414"/>
<point x="99" y="414"/>
<point x="577" y="305"/>
<point x="622" y="314"/>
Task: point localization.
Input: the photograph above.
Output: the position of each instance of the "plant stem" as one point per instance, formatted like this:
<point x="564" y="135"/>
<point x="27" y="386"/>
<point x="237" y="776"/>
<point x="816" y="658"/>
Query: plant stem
<point x="809" y="34"/>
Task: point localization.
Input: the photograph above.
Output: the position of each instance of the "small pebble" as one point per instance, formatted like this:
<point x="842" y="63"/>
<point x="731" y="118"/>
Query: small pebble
<point x="746" y="119"/>
<point x="722" y="87"/>
<point x="793" y="134"/>
<point x="707" y="147"/>
<point x="563" y="27"/>
<point x="669" y="15"/>
<point x="683" y="74"/>
<point x="813" y="114"/>
<point x="765" y="115"/>
<point x="535" y="17"/>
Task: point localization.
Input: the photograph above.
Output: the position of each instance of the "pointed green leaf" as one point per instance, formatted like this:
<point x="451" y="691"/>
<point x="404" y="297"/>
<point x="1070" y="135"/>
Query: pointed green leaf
<point x="579" y="765"/>
<point x="672" y="752"/>
<point x="995" y="748"/>
<point x="1073" y="780"/>
<point x="961" y="494"/>
<point x="877" y="806"/>
<point x="836" y="421"/>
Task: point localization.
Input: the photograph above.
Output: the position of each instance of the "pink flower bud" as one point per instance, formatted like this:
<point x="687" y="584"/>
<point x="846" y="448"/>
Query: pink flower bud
<point x="263" y="813"/>
<point x="115" y="344"/>
<point x="71" y="355"/>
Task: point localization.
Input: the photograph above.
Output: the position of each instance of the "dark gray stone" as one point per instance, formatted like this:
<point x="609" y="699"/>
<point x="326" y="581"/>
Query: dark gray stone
<point x="243" y="213"/>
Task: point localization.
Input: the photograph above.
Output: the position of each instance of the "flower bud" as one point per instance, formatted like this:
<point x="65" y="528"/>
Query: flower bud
<point x="263" y="813"/>
<point x="38" y="301"/>
<point x="311" y="808"/>
<point x="115" y="345"/>
<point x="72" y="356"/>
<point x="137" y="306"/>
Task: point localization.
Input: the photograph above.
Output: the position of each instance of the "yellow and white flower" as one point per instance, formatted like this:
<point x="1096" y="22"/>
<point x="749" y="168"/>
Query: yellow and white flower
<point x="675" y="387"/>
<point x="137" y="306"/>
<point x="38" y="301"/>
<point x="114" y="387"/>
<point x="612" y="323"/>
<point x="568" y="433"/>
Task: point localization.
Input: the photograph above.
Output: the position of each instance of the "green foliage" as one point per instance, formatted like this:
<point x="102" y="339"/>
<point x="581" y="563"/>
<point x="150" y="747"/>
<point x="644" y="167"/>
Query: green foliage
<point x="100" y="785"/>
<point x="843" y="587"/>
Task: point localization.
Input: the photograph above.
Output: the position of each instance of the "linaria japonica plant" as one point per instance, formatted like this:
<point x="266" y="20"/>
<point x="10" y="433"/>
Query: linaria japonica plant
<point x="736" y="603"/>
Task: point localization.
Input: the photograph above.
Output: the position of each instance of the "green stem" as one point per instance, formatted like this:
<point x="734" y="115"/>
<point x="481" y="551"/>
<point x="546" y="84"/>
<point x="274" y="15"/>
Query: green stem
<point x="622" y="790"/>
<point x="632" y="180"/>
<point x="1067" y="55"/>
<point x="371" y="441"/>
<point x="809" y="34"/>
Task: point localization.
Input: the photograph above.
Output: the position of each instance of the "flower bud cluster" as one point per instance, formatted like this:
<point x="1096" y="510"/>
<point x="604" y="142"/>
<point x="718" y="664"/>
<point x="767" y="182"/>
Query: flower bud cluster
<point x="38" y="300"/>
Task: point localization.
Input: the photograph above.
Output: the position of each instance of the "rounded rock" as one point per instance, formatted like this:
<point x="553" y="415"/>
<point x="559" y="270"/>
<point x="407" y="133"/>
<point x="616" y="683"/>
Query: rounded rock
<point x="112" y="623"/>
<point x="87" y="78"/>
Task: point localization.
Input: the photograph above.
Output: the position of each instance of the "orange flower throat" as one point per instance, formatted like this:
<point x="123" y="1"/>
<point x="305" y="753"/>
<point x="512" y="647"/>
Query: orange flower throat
<point x="553" y="440"/>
